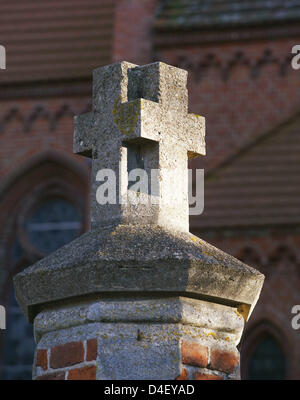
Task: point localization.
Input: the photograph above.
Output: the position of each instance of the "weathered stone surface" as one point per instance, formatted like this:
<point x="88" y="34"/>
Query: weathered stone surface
<point x="141" y="259"/>
<point x="224" y="320"/>
<point x="140" y="111"/>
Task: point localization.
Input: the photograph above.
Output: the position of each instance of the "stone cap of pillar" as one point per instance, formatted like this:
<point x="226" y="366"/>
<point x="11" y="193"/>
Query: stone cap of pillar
<point x="139" y="260"/>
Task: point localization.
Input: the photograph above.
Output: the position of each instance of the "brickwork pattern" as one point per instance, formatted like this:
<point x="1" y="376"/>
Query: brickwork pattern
<point x="201" y="362"/>
<point x="241" y="88"/>
<point x="69" y="361"/>
<point x="77" y="361"/>
<point x="244" y="89"/>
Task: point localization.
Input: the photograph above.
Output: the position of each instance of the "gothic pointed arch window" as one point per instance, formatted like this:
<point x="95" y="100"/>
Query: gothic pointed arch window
<point x="51" y="213"/>
<point x="264" y="357"/>
<point x="267" y="360"/>
<point x="51" y="218"/>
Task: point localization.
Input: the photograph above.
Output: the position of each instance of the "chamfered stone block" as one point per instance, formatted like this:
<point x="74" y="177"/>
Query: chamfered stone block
<point x="137" y="259"/>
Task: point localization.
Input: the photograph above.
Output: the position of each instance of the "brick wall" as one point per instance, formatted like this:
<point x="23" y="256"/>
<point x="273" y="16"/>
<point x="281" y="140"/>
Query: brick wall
<point x="30" y="126"/>
<point x="133" y="31"/>
<point x="207" y="363"/>
<point x="243" y="89"/>
<point x="69" y="361"/>
<point x="77" y="361"/>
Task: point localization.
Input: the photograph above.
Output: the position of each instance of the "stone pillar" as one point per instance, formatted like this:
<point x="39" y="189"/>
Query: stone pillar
<point x="138" y="296"/>
<point x="138" y="338"/>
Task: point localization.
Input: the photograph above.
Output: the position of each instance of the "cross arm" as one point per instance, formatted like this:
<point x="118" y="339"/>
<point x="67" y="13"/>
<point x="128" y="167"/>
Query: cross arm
<point x="84" y="140"/>
<point x="151" y="121"/>
<point x="193" y="135"/>
<point x="187" y="130"/>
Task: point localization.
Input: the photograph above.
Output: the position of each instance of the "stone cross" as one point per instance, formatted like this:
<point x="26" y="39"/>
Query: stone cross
<point x="140" y="120"/>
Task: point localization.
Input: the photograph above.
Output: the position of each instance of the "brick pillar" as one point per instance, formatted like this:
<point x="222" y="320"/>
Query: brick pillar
<point x="138" y="296"/>
<point x="134" y="338"/>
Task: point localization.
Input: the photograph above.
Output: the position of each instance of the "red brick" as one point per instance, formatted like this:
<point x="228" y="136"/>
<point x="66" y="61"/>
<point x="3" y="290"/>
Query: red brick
<point x="194" y="354"/>
<point x="41" y="359"/>
<point x="225" y="361"/>
<point x="198" y="376"/>
<point x="58" y="376"/>
<point x="85" y="373"/>
<point x="183" y="375"/>
<point x="91" y="349"/>
<point x="66" y="355"/>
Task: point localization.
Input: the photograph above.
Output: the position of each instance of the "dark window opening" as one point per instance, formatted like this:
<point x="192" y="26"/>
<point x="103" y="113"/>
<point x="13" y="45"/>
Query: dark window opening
<point x="267" y="360"/>
<point x="53" y="224"/>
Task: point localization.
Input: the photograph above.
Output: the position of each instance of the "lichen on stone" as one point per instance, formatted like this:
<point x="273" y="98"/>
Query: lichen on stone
<point x="126" y="115"/>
